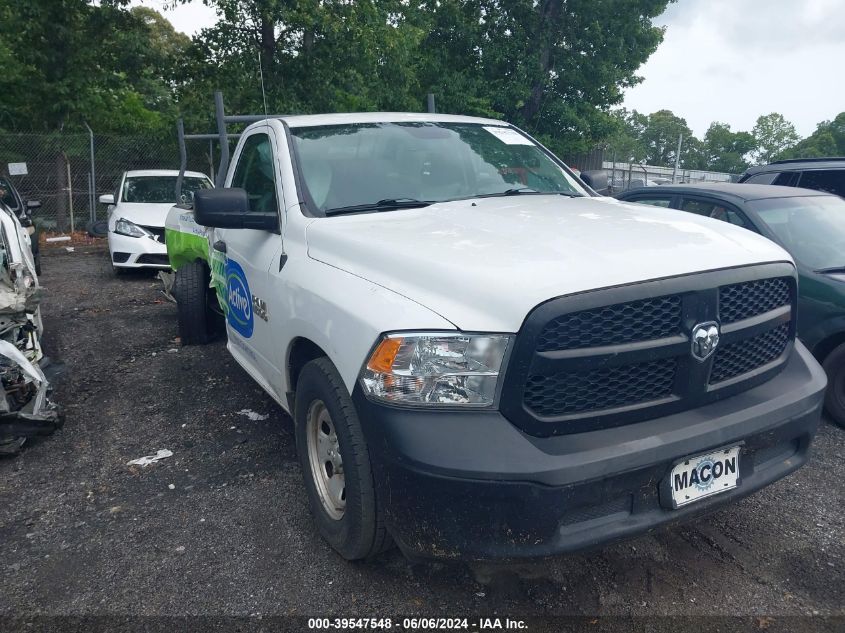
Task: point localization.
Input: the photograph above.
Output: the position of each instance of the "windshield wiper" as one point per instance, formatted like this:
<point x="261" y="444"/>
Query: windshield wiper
<point x="527" y="191"/>
<point x="388" y="204"/>
<point x="832" y="269"/>
<point x="516" y="191"/>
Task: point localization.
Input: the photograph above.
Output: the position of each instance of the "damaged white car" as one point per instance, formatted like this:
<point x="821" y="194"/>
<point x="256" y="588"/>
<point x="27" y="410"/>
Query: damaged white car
<point x="25" y="406"/>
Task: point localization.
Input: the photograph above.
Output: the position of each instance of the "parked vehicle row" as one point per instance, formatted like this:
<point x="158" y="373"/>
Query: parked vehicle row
<point x="482" y="358"/>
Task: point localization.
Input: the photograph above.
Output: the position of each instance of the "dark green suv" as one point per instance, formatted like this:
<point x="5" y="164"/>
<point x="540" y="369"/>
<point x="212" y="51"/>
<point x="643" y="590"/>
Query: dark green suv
<point x="811" y="226"/>
<point x="822" y="174"/>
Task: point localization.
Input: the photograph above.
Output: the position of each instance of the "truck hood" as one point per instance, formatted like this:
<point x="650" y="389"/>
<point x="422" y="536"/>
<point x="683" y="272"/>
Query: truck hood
<point x="145" y="214"/>
<point x="483" y="264"/>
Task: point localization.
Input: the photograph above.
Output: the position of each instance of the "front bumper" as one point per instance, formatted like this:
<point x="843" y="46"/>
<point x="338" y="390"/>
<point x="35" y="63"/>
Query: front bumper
<point x="470" y="485"/>
<point x="137" y="252"/>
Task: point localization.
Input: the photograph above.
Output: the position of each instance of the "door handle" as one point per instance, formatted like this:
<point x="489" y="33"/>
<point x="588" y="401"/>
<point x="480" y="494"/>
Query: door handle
<point x="220" y="246"/>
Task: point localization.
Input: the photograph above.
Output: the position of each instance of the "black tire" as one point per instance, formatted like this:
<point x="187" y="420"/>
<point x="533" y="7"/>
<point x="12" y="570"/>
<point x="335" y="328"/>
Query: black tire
<point x="359" y="533"/>
<point x="196" y="323"/>
<point x="98" y="229"/>
<point x="834" y="397"/>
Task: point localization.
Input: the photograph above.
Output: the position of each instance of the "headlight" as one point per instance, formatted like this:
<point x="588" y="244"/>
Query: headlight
<point x="435" y="368"/>
<point x="130" y="229"/>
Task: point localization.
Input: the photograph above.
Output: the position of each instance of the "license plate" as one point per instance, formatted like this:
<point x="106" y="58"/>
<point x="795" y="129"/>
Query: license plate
<point x="704" y="475"/>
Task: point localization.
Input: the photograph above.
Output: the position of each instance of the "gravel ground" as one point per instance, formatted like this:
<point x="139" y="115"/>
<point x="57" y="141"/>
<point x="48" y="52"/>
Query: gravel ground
<point x="222" y="528"/>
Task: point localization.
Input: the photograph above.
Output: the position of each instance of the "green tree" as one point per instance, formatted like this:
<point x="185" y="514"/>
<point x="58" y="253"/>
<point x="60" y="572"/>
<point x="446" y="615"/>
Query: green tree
<point x="773" y="135"/>
<point x="725" y="150"/>
<point x="554" y="67"/>
<point x="625" y="143"/>
<point x="827" y="140"/>
<point x="325" y="55"/>
<point x="694" y="154"/>
<point x="660" y="137"/>
<point x="74" y="61"/>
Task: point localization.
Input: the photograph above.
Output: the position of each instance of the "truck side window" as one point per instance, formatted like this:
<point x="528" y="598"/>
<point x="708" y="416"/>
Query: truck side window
<point x="255" y="174"/>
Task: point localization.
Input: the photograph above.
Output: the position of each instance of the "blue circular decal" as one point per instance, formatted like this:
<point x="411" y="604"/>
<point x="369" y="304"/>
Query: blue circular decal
<point x="239" y="299"/>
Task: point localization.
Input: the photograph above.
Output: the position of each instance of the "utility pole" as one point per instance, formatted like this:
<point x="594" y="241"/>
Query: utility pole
<point x="677" y="158"/>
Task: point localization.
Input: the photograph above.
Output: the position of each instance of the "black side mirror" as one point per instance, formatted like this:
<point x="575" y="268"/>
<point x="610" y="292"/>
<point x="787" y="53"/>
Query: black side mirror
<point x="596" y="179"/>
<point x="32" y="205"/>
<point x="228" y="208"/>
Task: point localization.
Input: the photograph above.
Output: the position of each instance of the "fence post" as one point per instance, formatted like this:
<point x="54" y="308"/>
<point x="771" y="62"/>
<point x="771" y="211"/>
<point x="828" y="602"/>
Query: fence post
<point x="183" y="157"/>
<point x="69" y="194"/>
<point x="92" y="209"/>
<point x="430" y="103"/>
<point x="613" y="171"/>
<point x="61" y="187"/>
<point x="224" y="139"/>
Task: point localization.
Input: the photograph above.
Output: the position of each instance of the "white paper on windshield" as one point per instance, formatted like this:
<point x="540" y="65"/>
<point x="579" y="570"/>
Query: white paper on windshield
<point x="508" y="135"/>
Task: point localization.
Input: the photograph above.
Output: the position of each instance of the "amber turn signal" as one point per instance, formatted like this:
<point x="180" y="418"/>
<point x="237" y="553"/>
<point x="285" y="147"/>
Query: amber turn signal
<point x="382" y="358"/>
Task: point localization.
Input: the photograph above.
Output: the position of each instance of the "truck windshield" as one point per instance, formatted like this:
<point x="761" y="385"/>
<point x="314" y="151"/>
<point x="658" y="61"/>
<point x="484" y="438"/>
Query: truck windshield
<point x="811" y="228"/>
<point x="160" y="189"/>
<point x="362" y="165"/>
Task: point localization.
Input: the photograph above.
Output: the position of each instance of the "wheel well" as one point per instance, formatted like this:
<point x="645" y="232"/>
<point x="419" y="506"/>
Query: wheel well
<point x="828" y="345"/>
<point x="302" y="351"/>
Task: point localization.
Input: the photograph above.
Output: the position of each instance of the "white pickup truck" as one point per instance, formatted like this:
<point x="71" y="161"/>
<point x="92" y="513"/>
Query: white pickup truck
<point x="482" y="358"/>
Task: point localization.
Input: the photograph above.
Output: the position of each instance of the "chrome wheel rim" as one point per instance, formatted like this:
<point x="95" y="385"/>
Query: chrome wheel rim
<point x="325" y="460"/>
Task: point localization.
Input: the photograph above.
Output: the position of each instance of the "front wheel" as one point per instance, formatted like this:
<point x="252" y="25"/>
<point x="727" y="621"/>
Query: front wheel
<point x="194" y="316"/>
<point x="834" y="397"/>
<point x="335" y="464"/>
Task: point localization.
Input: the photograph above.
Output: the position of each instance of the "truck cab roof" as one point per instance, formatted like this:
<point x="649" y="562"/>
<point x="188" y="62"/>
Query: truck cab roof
<point x="352" y="118"/>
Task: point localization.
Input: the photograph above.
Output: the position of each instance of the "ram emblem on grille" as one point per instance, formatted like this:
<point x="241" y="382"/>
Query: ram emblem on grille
<point x="705" y="339"/>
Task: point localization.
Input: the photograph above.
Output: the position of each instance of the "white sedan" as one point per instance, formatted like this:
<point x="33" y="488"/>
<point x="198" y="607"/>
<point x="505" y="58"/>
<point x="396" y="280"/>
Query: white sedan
<point x="137" y="213"/>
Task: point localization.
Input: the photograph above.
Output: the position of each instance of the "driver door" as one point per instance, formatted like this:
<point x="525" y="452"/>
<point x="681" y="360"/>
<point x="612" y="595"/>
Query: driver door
<point x="249" y="255"/>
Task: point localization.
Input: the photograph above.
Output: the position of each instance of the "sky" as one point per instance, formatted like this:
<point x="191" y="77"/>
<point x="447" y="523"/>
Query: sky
<point x="720" y="60"/>
<point x="733" y="60"/>
<point x="189" y="18"/>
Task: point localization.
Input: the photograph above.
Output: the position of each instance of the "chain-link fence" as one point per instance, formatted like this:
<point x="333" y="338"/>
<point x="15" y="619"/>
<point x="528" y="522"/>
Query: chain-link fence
<point x="58" y="170"/>
<point x="622" y="175"/>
